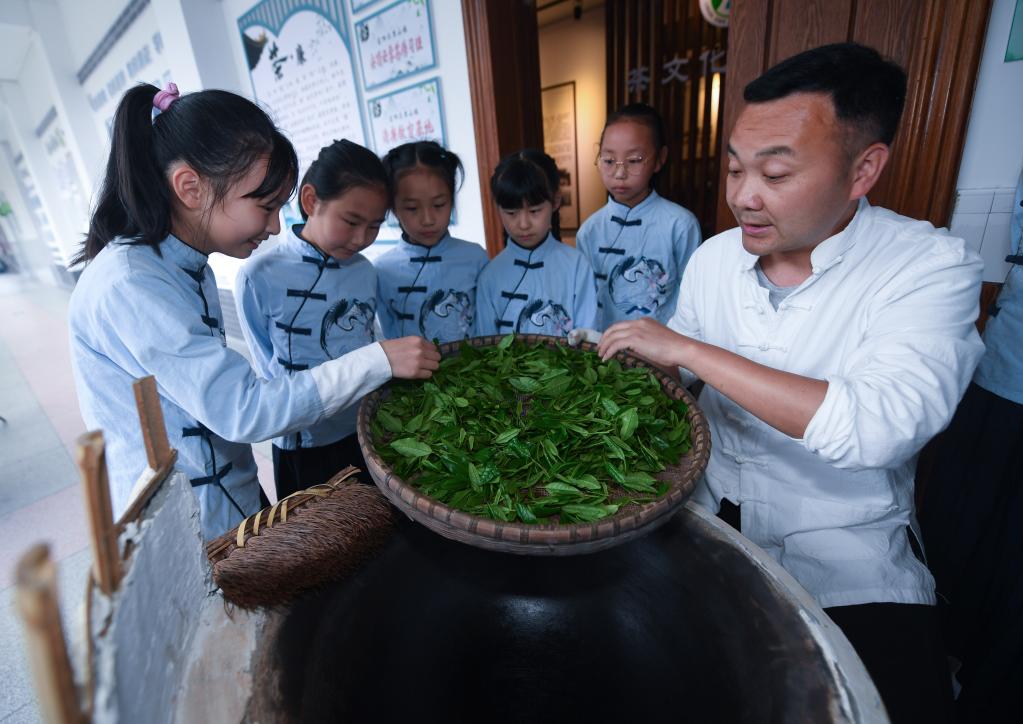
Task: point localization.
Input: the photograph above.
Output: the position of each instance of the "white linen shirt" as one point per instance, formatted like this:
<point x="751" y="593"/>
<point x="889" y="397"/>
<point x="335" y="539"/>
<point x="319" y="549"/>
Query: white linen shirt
<point x="887" y="318"/>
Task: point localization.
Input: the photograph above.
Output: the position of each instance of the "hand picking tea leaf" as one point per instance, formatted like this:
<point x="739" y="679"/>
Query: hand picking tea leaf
<point x="532" y="433"/>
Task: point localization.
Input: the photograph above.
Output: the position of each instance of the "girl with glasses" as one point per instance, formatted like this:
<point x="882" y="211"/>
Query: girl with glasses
<point x="638" y="243"/>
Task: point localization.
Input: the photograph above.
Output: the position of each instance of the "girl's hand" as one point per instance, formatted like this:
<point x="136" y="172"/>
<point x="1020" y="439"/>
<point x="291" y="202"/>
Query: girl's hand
<point x="411" y="358"/>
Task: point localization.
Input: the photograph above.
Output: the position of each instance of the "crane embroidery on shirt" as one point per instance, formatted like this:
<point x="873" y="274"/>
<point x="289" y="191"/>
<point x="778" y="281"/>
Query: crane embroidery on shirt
<point x="547" y="316"/>
<point x="347" y="325"/>
<point x="638" y="284"/>
<point x="449" y="311"/>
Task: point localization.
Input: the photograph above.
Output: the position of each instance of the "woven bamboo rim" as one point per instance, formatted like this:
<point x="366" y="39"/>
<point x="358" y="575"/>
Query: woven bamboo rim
<point x="569" y="539"/>
<point x="221" y="547"/>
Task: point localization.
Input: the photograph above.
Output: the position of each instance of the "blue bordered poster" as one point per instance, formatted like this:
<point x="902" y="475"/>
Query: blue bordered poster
<point x="409" y="114"/>
<point x="300" y="62"/>
<point x="395" y="41"/>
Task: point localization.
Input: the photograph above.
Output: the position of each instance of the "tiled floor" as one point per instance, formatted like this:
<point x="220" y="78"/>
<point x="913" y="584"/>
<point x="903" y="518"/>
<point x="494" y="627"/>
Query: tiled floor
<point x="40" y="496"/>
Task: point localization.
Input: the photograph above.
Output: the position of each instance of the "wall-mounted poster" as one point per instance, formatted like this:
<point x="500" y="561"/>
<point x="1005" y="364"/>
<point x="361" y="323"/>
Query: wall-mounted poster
<point x="395" y="41"/>
<point x="300" y="61"/>
<point x="559" y="142"/>
<point x="411" y="114"/>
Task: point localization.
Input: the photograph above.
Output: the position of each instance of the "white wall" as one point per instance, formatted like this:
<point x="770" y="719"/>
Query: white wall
<point x="993" y="155"/>
<point x="573" y="50"/>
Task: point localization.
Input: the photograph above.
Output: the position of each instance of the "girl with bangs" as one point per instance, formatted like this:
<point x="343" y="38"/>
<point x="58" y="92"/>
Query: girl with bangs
<point x="537" y="285"/>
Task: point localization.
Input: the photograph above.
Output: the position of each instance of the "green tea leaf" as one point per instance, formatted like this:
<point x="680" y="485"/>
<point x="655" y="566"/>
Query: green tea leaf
<point x="506" y="341"/>
<point x="414" y="424"/>
<point x="524" y="384"/>
<point x="562" y="489"/>
<point x="474" y="476"/>
<point x="629" y="421"/>
<point x="389" y="421"/>
<point x="410" y="447"/>
<point x="507" y="435"/>
<point x="589" y="513"/>
<point x="525" y="514"/>
<point x="614" y="472"/>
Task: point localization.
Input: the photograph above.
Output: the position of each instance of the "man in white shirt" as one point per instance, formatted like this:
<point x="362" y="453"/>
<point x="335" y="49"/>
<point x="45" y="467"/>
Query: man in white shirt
<point x="834" y="338"/>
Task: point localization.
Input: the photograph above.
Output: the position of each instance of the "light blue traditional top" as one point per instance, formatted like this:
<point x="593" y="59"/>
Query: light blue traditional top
<point x="135" y="313"/>
<point x="299" y="308"/>
<point x="429" y="291"/>
<point x="638" y="256"/>
<point x="1001" y="368"/>
<point x="545" y="290"/>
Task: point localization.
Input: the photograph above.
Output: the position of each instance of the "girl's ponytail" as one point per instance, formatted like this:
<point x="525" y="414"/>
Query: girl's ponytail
<point x="134" y="199"/>
<point x="219" y="134"/>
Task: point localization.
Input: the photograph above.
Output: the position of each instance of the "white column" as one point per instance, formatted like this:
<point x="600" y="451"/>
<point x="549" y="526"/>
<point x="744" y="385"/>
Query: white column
<point x="20" y="227"/>
<point x="68" y="227"/>
<point x="69" y="98"/>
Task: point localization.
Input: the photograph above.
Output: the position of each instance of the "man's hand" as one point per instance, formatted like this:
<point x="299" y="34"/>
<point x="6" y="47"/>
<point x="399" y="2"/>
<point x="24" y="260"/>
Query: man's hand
<point x="411" y="358"/>
<point x="645" y="338"/>
<point x="785" y="401"/>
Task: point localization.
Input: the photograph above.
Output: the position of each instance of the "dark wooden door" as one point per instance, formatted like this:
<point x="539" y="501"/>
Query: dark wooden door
<point x="662" y="52"/>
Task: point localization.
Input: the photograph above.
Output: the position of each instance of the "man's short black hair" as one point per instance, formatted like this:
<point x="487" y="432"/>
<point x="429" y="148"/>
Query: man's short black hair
<point x="868" y="92"/>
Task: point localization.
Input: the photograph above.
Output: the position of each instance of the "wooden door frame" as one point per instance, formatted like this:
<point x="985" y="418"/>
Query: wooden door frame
<point x="502" y="48"/>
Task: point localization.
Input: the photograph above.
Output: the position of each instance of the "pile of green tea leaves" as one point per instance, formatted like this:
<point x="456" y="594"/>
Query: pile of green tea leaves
<point x="535" y="433"/>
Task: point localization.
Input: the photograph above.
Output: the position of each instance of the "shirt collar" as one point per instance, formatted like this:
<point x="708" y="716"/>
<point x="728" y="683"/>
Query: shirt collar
<point x="634" y="212"/>
<point x="522" y="252"/>
<point x="303" y="246"/>
<point x="411" y="246"/>
<point x="830" y="251"/>
<point x="181" y="254"/>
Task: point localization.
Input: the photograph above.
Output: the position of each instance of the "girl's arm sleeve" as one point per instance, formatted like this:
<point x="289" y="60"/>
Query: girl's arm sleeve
<point x="254" y="322"/>
<point x="215" y="384"/>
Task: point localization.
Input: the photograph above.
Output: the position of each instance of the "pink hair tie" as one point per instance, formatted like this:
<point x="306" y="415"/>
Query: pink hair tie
<point x="163" y="99"/>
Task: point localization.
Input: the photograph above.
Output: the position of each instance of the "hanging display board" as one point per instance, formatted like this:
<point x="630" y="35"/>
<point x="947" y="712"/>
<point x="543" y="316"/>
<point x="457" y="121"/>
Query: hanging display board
<point x="300" y="62"/>
<point x="408" y="114"/>
<point x="559" y="142"/>
<point x="302" y="57"/>
<point x="395" y="41"/>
